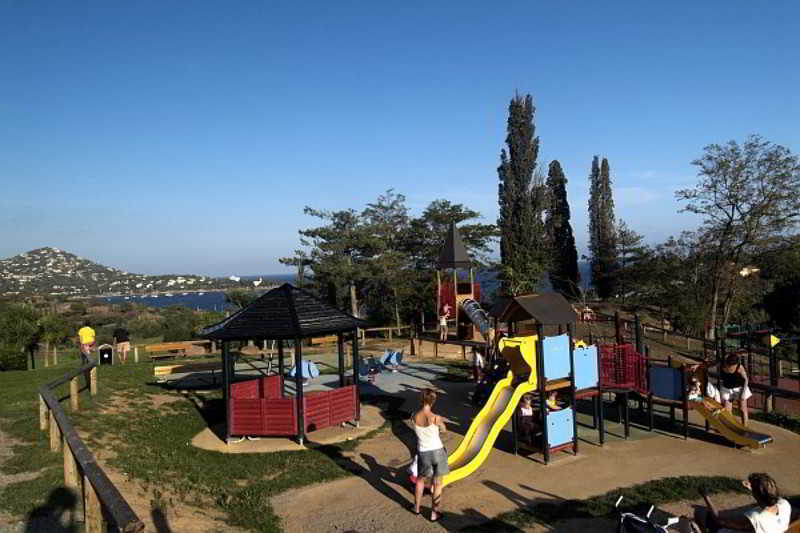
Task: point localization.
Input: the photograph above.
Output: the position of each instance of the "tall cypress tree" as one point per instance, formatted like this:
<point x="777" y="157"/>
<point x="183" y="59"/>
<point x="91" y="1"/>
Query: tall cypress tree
<point x="521" y="199"/>
<point x="602" y="230"/>
<point x="564" y="274"/>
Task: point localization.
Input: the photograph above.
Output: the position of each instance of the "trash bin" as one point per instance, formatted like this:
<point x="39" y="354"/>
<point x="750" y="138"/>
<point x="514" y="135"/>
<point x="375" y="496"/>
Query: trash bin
<point x="106" y="352"/>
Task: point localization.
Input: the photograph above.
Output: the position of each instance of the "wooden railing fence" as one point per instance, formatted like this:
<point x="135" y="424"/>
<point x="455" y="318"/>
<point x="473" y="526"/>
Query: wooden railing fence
<point x="101" y="500"/>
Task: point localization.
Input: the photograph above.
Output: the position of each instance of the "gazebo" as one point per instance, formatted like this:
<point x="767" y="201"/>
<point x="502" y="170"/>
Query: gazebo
<point x="261" y="406"/>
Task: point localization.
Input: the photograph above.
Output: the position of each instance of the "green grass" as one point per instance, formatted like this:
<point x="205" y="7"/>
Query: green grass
<point x="152" y="446"/>
<point x="637" y="498"/>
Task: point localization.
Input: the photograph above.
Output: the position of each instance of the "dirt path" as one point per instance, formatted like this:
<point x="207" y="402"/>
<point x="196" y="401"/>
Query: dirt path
<point x="379" y="497"/>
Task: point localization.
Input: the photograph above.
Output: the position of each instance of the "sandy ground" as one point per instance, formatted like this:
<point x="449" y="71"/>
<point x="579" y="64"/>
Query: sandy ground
<point x="378" y="498"/>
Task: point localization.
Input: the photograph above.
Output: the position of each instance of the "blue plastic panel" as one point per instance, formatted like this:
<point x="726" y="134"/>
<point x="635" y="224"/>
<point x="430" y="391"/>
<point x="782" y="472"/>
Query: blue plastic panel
<point x="559" y="427"/>
<point x="556" y="357"/>
<point x="665" y="382"/>
<point x="585" y="367"/>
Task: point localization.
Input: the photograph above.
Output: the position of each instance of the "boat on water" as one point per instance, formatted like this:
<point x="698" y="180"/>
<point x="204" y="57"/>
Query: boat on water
<point x="200" y="293"/>
<point x="168" y="294"/>
<point x="184" y="294"/>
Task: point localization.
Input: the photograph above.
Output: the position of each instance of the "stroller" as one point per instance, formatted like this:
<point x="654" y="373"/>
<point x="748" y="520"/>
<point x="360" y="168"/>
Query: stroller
<point x="631" y="523"/>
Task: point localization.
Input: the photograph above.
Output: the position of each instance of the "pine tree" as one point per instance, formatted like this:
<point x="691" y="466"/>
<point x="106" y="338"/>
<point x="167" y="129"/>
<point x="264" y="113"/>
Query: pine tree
<point x="564" y="274"/>
<point x="631" y="253"/>
<point x="602" y="230"/>
<point x="521" y="198"/>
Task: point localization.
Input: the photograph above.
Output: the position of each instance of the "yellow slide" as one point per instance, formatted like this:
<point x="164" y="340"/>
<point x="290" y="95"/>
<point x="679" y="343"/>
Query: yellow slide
<point x="483" y="432"/>
<point x="728" y="425"/>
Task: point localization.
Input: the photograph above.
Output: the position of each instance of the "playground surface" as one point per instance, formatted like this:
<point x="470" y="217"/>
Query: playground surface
<point x="378" y="497"/>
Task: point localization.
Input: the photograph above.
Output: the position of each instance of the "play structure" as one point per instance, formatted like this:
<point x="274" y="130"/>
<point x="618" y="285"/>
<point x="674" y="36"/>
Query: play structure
<point x="537" y="365"/>
<point x="665" y="382"/>
<point x="261" y="406"/>
<point x="460" y="296"/>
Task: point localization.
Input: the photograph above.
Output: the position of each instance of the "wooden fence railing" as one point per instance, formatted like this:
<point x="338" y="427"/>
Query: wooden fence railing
<point x="82" y="474"/>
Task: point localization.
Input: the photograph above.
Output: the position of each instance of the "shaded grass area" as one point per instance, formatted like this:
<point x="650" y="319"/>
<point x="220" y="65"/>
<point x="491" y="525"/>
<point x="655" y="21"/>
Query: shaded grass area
<point x="150" y="442"/>
<point x="790" y="422"/>
<point x="637" y="499"/>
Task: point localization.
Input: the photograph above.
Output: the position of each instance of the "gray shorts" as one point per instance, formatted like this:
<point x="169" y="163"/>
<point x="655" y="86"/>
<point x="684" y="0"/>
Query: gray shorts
<point x="433" y="463"/>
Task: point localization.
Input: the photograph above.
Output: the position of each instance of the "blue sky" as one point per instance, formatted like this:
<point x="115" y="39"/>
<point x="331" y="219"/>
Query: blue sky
<point x="165" y="137"/>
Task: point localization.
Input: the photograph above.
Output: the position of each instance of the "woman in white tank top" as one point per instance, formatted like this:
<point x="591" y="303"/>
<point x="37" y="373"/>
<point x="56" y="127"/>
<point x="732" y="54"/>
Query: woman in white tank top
<point x="432" y="460"/>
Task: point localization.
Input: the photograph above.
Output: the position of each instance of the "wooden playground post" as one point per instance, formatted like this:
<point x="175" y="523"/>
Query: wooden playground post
<point x="638" y="332"/>
<point x="136" y="354"/>
<point x="617" y="328"/>
<point x="73" y="393"/>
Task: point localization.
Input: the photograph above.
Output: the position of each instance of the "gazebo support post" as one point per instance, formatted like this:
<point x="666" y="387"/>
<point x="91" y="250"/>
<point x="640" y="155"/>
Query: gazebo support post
<point x="298" y="387"/>
<point x="281" y="368"/>
<point x="226" y="384"/>
<point x="356" y="377"/>
<point x="340" y="348"/>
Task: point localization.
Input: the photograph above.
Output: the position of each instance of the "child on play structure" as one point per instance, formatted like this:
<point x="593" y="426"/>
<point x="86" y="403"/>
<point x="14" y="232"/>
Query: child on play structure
<point x="443" y="322"/>
<point x="552" y="401"/>
<point x="527" y="422"/>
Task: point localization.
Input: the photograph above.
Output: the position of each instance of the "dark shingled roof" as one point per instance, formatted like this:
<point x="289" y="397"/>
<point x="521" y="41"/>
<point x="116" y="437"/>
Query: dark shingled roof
<point x="453" y="254"/>
<point x="283" y="313"/>
<point x="548" y="309"/>
<point x="499" y="306"/>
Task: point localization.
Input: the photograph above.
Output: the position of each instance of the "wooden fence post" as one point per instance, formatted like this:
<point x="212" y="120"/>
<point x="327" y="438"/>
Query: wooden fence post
<point x="93" y="381"/>
<point x="43" y="414"/>
<point x="73" y="393"/>
<point x="390" y="334"/>
<point x="71" y="474"/>
<point x="55" y="356"/>
<point x="135" y="354"/>
<point x="46" y="358"/>
<point x="93" y="515"/>
<point x="55" y="434"/>
<point x="688" y="343"/>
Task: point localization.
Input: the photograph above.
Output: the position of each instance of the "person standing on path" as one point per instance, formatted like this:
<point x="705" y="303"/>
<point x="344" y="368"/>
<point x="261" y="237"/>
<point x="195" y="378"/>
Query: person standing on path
<point x="432" y="458"/>
<point x="122" y="343"/>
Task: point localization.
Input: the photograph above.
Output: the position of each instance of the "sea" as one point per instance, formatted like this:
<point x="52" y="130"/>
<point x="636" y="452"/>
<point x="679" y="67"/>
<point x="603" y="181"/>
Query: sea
<point x="215" y="300"/>
<point x="200" y="301"/>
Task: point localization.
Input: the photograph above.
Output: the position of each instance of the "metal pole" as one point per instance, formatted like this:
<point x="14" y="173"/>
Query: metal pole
<point x="281" y="368"/>
<point x="617" y="327"/>
<point x="572" y="379"/>
<point x="298" y="387"/>
<point x="542" y="392"/>
<point x="340" y="348"/>
<point x="356" y="377"/>
<point x="226" y="388"/>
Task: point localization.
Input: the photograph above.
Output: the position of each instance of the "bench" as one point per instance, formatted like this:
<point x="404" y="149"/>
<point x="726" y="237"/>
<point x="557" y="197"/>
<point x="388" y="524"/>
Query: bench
<point x="165" y="370"/>
<point x="324" y="340"/>
<point x="156" y="351"/>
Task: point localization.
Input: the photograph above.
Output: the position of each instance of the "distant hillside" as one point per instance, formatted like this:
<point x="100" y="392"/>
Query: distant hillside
<point x="54" y="271"/>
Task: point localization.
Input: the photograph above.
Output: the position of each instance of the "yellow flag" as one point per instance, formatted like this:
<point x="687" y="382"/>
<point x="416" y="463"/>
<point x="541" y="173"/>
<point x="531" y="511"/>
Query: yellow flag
<point x="773" y="340"/>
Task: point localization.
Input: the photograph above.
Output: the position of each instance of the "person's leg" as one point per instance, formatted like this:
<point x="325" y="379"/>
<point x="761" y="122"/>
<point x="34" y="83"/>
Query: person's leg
<point x="743" y="407"/>
<point x="419" y="489"/>
<point x="436" y="497"/>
